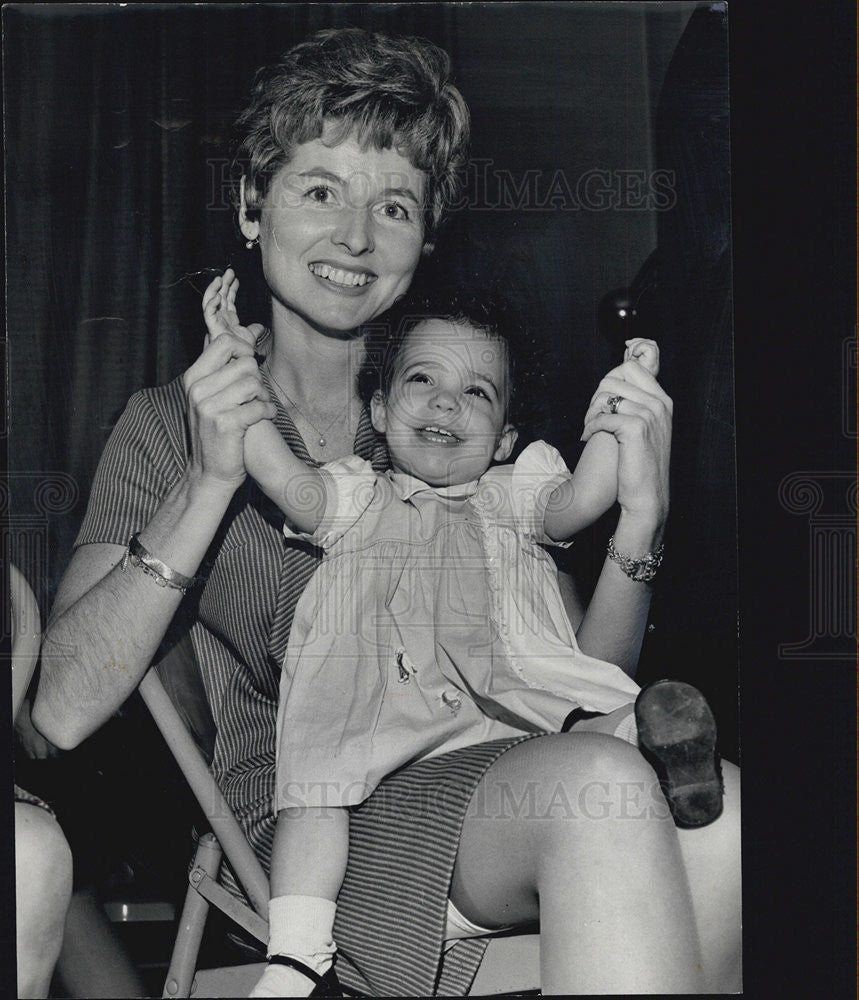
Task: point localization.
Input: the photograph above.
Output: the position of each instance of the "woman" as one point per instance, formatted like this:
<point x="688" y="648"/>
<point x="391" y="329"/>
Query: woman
<point x="350" y="154"/>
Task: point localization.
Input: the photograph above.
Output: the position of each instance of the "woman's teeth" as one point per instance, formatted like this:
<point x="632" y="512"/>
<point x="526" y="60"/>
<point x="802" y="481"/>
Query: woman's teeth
<point x="339" y="276"/>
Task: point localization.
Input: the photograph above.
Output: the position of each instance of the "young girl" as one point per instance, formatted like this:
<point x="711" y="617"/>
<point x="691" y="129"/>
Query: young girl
<point x="435" y="620"/>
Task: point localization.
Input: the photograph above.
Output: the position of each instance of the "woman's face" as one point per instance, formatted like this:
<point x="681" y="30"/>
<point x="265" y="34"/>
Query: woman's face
<point x="340" y="232"/>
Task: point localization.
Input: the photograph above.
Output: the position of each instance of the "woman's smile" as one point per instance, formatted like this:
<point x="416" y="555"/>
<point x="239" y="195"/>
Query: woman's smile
<point x="342" y="278"/>
<point x="341" y="231"/>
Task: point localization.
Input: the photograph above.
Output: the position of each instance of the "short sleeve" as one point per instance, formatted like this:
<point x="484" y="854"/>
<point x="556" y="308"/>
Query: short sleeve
<point x="138" y="468"/>
<point x="537" y="473"/>
<point x="350" y="486"/>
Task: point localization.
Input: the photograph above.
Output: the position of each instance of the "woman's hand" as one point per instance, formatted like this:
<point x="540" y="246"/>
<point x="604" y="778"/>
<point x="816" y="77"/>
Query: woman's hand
<point x="226" y="395"/>
<point x="641" y="424"/>
<point x="35" y="746"/>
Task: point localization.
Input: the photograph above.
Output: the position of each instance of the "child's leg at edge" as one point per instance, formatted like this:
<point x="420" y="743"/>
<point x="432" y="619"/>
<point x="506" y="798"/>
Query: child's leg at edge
<point x="307" y="868"/>
<point x="309" y="853"/>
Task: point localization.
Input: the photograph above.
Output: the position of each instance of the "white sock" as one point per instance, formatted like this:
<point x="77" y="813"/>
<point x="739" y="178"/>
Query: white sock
<point x="627" y="729"/>
<point x="619" y="723"/>
<point x="300" y="927"/>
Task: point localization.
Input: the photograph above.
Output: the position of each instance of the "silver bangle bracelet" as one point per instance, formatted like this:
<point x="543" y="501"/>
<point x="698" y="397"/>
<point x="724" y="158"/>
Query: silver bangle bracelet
<point x="163" y="575"/>
<point x="642" y="569"/>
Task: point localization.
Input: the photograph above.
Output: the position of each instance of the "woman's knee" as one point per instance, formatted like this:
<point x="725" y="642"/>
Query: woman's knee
<point x="587" y="776"/>
<point x="586" y="757"/>
<point x="43" y="866"/>
<point x="614" y="780"/>
<point x="558" y="809"/>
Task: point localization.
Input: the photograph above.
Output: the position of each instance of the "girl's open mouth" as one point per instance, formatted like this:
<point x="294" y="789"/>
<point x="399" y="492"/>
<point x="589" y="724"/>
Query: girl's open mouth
<point x="438" y="435"/>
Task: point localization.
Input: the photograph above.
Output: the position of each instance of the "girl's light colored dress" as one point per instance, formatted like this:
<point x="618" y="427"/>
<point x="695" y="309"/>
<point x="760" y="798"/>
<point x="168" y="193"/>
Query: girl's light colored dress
<point x="434" y="622"/>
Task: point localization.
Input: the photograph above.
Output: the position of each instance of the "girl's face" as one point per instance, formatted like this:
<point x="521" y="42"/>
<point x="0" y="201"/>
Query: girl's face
<point x="340" y="232"/>
<point x="444" y="416"/>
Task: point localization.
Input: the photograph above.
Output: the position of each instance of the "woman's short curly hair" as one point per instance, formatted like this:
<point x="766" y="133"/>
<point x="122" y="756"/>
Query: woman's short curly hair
<point x="393" y="92"/>
<point x="487" y="309"/>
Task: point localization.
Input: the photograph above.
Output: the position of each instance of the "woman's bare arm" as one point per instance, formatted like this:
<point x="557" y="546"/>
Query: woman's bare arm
<point x="613" y="625"/>
<point x="107" y="622"/>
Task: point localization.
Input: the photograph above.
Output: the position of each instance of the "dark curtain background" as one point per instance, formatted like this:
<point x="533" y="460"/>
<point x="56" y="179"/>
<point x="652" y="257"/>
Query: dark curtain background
<point x="117" y="127"/>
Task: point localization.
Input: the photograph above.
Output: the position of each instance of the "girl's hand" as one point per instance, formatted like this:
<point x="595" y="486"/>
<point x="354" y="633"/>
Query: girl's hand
<point x="219" y="311"/>
<point x="225" y="395"/>
<point x="641" y="424"/>
<point x="645" y="352"/>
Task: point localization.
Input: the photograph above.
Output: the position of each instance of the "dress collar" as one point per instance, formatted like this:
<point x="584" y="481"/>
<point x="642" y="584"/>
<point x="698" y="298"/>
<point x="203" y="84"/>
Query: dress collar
<point x="406" y="486"/>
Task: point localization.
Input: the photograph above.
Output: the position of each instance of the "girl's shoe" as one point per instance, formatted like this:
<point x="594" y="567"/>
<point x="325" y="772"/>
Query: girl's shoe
<point x="326" y="986"/>
<point x="677" y="733"/>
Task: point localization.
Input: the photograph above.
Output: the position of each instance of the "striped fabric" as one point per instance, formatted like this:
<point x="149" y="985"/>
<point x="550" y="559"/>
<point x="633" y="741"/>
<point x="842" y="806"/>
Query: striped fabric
<point x="391" y="912"/>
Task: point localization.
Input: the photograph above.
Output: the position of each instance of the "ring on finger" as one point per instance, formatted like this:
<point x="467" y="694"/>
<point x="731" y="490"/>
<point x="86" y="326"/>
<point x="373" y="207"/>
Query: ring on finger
<point x="613" y="403"/>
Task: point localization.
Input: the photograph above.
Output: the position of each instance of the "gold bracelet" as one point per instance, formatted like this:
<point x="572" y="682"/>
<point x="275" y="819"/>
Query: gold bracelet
<point x="643" y="569"/>
<point x="163" y="575"/>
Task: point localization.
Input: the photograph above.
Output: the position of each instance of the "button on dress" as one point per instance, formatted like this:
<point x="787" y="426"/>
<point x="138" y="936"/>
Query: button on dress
<point x="434" y="622"/>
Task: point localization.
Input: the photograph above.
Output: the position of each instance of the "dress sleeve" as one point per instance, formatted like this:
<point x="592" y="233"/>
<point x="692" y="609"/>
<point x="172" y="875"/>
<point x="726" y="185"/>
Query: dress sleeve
<point x="537" y="473"/>
<point x="138" y="468"/>
<point x="350" y="487"/>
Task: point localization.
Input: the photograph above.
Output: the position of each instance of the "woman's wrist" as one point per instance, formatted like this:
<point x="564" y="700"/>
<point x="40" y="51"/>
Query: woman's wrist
<point x="636" y="535"/>
<point x="202" y="489"/>
<point x="182" y="530"/>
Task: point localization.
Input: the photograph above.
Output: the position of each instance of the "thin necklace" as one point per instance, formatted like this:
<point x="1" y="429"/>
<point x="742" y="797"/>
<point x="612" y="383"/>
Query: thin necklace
<point x="322" y="439"/>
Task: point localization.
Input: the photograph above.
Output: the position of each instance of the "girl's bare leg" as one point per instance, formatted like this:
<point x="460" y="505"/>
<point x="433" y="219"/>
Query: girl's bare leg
<point x="307" y="868"/>
<point x="571" y="829"/>
<point x="309" y="852"/>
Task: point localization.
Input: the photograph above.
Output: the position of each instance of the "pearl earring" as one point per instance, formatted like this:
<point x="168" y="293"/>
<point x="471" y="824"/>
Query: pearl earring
<point x="252" y="243"/>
